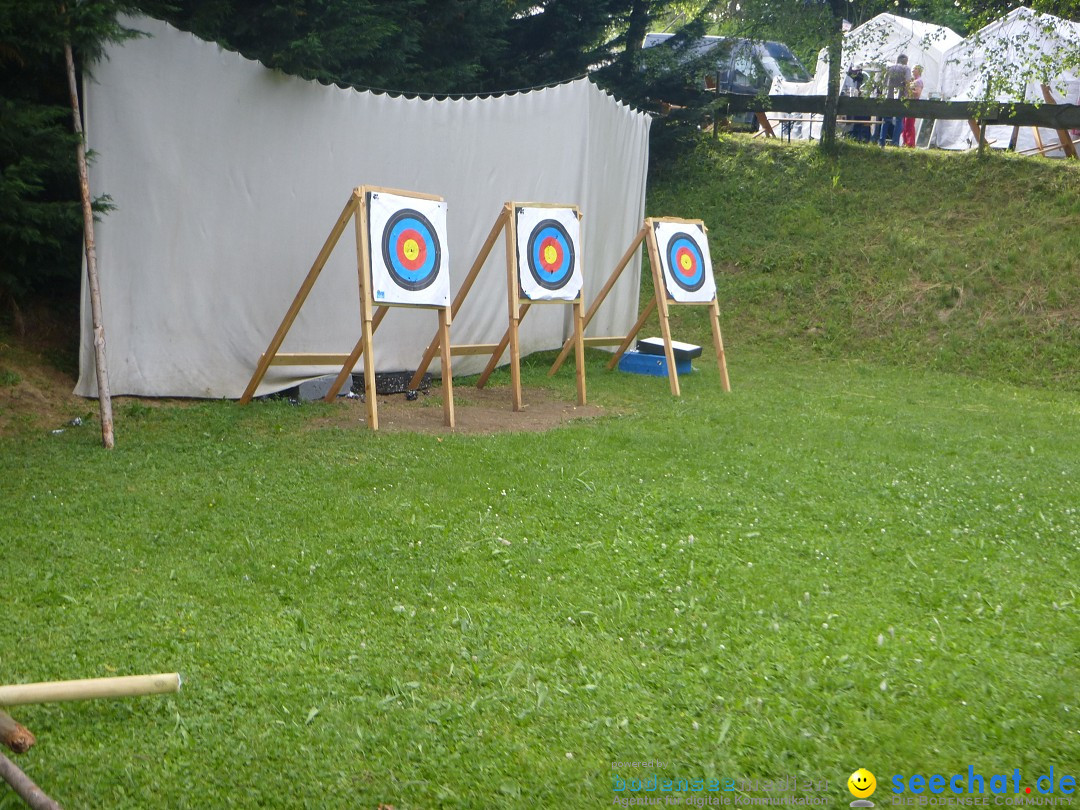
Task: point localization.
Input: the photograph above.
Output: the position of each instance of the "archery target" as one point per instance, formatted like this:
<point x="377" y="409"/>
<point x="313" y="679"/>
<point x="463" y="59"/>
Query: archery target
<point x="548" y="253"/>
<point x="685" y="261"/>
<point x="407" y="243"/>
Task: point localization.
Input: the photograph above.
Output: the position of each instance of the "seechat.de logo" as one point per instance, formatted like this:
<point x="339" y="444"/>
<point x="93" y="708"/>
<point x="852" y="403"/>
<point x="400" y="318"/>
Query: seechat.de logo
<point x="862" y="785"/>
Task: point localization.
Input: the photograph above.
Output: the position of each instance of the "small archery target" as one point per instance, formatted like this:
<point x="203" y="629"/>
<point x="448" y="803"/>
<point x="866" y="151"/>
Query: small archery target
<point x="684" y="258"/>
<point x="548" y="253"/>
<point x="408" y="250"/>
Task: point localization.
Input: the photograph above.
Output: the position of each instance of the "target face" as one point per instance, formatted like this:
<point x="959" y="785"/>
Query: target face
<point x="548" y="249"/>
<point x="411" y="250"/>
<point x="407" y="239"/>
<point x="550" y="255"/>
<point x="685" y="261"/>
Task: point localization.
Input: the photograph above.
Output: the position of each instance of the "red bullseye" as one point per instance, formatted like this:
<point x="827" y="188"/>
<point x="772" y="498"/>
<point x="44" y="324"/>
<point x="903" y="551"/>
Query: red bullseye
<point x="686" y="263"/>
<point x="551" y="255"/>
<point x="411" y="249"/>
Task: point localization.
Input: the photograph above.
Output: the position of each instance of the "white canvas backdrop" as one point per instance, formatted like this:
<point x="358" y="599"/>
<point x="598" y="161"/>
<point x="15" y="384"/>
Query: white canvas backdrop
<point x="228" y="177"/>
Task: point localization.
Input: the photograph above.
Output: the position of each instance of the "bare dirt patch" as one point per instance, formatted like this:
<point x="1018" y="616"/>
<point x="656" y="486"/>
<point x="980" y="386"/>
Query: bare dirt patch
<point x="34" y="396"/>
<point x="476" y="410"/>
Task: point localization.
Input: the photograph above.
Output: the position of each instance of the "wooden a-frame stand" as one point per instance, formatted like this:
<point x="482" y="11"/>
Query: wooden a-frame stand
<point x="355" y="209"/>
<point x="517" y="306"/>
<point x="660" y="302"/>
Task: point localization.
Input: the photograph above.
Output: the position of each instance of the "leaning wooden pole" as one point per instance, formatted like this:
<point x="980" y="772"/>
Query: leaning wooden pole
<point x="30" y="793"/>
<point x="104" y="397"/>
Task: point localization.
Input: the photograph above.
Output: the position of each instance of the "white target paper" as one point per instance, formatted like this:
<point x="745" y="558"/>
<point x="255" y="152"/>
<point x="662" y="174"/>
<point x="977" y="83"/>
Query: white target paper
<point x="685" y="261"/>
<point x="410" y="263"/>
<point x="548" y="253"/>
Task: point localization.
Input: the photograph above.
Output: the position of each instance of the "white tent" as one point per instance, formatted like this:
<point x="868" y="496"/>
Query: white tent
<point x="227" y="178"/>
<point x="874" y="45"/>
<point x="1019" y="51"/>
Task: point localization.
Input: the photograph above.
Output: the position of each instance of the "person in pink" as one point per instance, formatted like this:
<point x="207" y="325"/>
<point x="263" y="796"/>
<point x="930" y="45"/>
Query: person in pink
<point x="915" y="88"/>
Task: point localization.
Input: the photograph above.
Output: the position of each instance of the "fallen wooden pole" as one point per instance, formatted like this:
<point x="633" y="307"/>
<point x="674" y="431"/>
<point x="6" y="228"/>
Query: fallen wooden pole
<point x="30" y="793"/>
<point x="14" y="735"/>
<point x="123" y="686"/>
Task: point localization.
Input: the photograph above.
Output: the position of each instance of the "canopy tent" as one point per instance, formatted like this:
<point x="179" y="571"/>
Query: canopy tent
<point x="1017" y="54"/>
<point x="227" y="178"/>
<point x="874" y="45"/>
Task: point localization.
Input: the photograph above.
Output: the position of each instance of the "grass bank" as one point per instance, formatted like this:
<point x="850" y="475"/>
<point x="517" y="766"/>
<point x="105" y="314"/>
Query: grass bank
<point x="927" y="259"/>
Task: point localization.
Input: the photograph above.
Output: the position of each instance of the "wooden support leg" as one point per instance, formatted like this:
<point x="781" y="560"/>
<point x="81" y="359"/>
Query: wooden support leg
<point x="301" y="296"/>
<point x="358" y="349"/>
<point x="502" y="221"/>
<point x="718" y="345"/>
<point x="600" y="296"/>
<point x="645" y="313"/>
<point x="370" y="394"/>
<point x="515" y="362"/>
<point x="496" y="355"/>
<point x="669" y="352"/>
<point x="579" y="338"/>
<point x="447" y="372"/>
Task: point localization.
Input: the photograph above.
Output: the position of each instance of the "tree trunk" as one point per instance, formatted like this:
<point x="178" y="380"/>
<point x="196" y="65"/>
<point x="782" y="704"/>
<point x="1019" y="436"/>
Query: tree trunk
<point x="836" y="51"/>
<point x="636" y="29"/>
<point x="104" y="398"/>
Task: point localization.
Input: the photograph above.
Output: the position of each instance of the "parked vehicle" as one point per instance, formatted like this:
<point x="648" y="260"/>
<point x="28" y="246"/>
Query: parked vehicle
<point x="735" y="64"/>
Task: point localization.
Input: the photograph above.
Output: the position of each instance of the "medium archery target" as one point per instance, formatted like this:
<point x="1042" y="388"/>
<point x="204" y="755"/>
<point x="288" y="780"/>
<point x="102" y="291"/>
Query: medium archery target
<point x="548" y="251"/>
<point x="407" y="243"/>
<point x="685" y="261"/>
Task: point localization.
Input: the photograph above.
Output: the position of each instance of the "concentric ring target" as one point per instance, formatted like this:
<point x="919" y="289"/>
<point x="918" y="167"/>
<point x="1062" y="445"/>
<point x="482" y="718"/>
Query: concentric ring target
<point x="551" y="255"/>
<point x="685" y="261"/>
<point x="411" y="250"/>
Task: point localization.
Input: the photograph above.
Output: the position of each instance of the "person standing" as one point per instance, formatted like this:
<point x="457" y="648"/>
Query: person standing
<point x="897" y="78"/>
<point x="915" y="89"/>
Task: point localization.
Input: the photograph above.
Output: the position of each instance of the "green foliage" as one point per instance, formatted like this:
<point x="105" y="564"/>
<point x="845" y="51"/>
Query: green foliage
<point x="835" y="565"/>
<point x="41" y="224"/>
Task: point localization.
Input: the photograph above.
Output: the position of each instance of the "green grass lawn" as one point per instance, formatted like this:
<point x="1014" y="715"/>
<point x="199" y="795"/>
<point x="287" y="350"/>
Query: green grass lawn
<point x="837" y="565"/>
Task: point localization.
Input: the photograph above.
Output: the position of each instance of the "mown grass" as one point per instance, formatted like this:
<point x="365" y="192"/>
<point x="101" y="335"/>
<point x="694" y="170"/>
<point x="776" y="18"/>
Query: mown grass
<point x="837" y="565"/>
<point x="927" y="259"/>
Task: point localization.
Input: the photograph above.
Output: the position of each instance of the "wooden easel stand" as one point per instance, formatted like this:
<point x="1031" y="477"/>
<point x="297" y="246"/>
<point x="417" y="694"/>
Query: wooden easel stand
<point x="357" y="210"/>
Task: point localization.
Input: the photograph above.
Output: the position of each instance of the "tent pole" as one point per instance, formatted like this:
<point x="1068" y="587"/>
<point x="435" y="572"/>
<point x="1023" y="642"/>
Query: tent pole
<point x="104" y="397"/>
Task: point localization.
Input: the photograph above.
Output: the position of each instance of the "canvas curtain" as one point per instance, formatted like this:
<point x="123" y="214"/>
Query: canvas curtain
<point x="227" y="178"/>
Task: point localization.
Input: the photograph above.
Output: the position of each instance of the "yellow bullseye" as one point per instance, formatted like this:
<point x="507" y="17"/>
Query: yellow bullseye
<point x="686" y="262"/>
<point x="411" y="249"/>
<point x="551" y="255"/>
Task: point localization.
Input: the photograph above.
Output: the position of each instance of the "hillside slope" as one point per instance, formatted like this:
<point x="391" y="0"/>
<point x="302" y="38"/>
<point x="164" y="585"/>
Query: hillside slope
<point x="931" y="259"/>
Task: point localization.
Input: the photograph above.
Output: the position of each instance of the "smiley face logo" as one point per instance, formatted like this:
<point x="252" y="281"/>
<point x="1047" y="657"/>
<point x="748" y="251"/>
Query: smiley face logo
<point x="862" y="784"/>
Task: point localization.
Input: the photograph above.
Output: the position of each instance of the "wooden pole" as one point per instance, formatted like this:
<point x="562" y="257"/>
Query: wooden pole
<point x="30" y="793"/>
<point x="89" y="688"/>
<point x="301" y="296"/>
<point x="14" y="735"/>
<point x="104" y="397"/>
<point x="600" y="296"/>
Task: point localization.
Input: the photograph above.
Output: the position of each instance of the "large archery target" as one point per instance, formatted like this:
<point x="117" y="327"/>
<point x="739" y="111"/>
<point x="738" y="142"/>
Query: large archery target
<point x="548" y="253"/>
<point x="685" y="261"/>
<point x="407" y="243"/>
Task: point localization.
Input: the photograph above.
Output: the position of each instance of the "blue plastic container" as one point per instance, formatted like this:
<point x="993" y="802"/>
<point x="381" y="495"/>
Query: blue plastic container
<point x="635" y="362"/>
